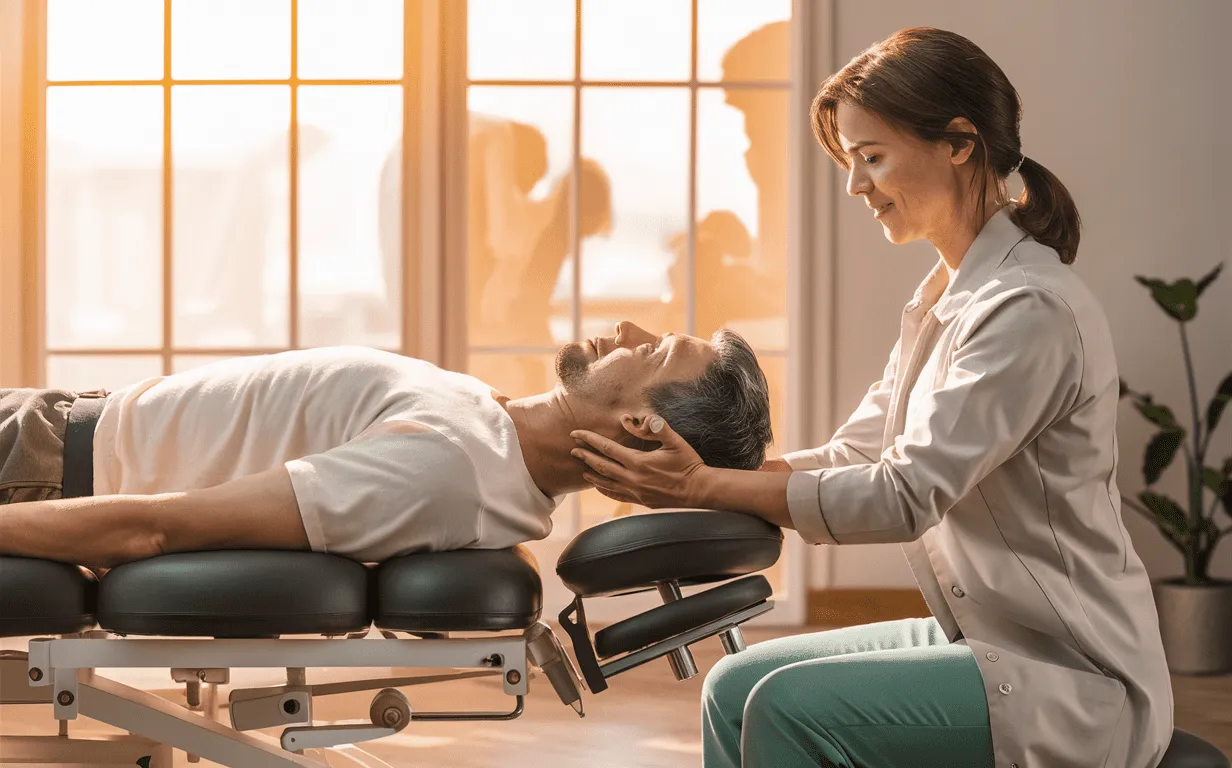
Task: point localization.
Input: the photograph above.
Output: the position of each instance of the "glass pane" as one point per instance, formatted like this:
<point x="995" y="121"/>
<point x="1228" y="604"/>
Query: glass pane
<point x="341" y="38"/>
<point x="739" y="40"/>
<point x="741" y="251"/>
<point x="640" y="137"/>
<point x="230" y="39"/>
<point x="523" y="40"/>
<point x="181" y="363"/>
<point x="116" y="40"/>
<point x="775" y="368"/>
<point x="520" y="153"/>
<point x="104" y="216"/>
<point x="515" y="375"/>
<point x="82" y="373"/>
<point x="636" y="39"/>
<point x="350" y="265"/>
<point x="230" y="229"/>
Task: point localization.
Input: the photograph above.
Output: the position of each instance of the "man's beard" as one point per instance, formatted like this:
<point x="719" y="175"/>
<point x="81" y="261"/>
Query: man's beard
<point x="572" y="366"/>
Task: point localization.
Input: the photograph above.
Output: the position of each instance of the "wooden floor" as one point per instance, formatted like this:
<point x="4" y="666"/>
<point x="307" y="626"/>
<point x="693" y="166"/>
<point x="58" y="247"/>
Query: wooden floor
<point x="646" y="719"/>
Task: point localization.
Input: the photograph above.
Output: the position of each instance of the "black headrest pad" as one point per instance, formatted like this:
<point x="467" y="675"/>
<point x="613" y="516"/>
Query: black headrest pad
<point x="635" y="553"/>
<point x="41" y="597"/>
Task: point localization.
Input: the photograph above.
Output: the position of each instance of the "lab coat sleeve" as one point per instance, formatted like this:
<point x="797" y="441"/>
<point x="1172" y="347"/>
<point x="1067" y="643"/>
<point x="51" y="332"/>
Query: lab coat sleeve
<point x="858" y="441"/>
<point x="1014" y="369"/>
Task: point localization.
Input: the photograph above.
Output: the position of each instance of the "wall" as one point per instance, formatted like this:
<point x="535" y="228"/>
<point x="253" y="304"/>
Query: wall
<point x="1127" y="102"/>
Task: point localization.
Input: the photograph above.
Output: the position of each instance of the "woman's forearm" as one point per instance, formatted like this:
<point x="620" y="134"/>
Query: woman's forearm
<point x="97" y="531"/>
<point x="763" y="494"/>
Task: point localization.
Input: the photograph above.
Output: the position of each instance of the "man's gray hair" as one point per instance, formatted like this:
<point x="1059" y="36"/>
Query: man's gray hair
<point x="725" y="413"/>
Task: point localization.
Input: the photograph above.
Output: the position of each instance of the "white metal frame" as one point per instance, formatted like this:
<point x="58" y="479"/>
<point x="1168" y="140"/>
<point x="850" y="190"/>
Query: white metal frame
<point x="61" y="672"/>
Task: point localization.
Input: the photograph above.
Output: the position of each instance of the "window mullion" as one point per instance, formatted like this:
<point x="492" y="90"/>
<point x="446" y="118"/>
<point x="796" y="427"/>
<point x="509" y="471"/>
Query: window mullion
<point x="168" y="211"/>
<point x="293" y="206"/>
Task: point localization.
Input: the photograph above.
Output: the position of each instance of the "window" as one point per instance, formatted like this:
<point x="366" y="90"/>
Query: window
<point x="225" y="178"/>
<point x="222" y="178"/>
<point x="650" y="136"/>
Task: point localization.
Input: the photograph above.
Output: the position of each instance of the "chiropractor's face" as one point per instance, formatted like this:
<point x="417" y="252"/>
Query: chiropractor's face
<point x="612" y="373"/>
<point x="913" y="187"/>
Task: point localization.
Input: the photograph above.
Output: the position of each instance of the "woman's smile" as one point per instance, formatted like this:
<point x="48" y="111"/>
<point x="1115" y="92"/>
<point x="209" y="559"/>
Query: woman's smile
<point x="881" y="210"/>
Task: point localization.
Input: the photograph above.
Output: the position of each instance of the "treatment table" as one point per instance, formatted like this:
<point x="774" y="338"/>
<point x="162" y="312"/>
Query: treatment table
<point x="202" y="614"/>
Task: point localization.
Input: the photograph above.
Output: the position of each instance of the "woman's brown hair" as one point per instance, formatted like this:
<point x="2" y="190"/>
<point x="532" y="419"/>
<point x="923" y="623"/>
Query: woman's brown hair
<point x="920" y="79"/>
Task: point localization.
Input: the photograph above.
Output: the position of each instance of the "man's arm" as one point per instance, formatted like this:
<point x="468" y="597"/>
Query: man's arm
<point x="254" y="512"/>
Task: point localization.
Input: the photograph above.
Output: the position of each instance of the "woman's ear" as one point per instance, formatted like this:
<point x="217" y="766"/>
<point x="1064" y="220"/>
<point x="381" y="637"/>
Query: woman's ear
<point x="960" y="151"/>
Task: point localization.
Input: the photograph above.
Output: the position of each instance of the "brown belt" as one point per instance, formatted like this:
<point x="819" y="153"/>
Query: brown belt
<point x="79" y="444"/>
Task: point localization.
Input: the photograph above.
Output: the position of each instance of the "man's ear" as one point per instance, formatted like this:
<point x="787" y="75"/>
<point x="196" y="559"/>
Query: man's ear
<point x="633" y="424"/>
<point x="960" y="151"/>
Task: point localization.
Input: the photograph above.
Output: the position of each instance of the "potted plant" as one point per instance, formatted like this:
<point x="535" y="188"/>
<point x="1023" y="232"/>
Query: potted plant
<point x="1195" y="611"/>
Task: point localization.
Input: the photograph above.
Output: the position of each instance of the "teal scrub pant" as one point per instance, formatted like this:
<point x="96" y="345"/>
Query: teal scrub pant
<point x="883" y="695"/>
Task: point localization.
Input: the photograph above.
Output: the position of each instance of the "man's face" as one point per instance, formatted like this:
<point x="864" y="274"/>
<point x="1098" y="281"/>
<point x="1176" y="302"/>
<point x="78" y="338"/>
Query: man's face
<point x="610" y="373"/>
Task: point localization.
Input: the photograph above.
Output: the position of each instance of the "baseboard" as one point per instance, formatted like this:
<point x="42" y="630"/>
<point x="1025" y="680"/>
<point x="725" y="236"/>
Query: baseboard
<point x="849" y="606"/>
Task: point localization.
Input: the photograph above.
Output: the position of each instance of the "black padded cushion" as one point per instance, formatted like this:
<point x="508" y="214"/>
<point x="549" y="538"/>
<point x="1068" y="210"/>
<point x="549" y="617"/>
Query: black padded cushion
<point x="631" y="554"/>
<point x="671" y="619"/>
<point x="41" y="597"/>
<point x="235" y="593"/>
<point x="468" y="590"/>
<point x="1189" y="751"/>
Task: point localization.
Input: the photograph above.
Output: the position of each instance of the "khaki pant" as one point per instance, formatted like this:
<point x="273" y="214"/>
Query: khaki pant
<point x="32" y="425"/>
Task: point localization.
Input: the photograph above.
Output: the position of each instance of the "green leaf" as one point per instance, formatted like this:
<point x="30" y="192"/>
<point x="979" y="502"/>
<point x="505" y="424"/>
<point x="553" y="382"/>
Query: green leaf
<point x="1209" y="278"/>
<point x="1214" y="479"/>
<point x="1159" y="415"/>
<point x="1220" y="400"/>
<point x="1159" y="454"/>
<point x="1179" y="299"/>
<point x="1168" y="515"/>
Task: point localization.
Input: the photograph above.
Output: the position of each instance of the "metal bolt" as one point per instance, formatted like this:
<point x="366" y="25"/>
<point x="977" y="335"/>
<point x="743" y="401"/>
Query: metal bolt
<point x="513" y="677"/>
<point x="65" y="698"/>
<point x="36" y="674"/>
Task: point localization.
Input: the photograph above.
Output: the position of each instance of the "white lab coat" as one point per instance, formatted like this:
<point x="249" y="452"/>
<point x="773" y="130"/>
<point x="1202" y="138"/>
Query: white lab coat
<point x="988" y="449"/>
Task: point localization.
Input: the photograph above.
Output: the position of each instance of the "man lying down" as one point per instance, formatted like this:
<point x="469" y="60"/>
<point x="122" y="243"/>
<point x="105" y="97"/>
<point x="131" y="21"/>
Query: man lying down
<point x="357" y="452"/>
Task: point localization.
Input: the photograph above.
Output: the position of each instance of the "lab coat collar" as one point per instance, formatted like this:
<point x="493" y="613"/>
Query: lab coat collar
<point x="989" y="249"/>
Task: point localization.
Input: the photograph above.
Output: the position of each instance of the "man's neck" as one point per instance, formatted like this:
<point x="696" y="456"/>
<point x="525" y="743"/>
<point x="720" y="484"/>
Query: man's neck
<point x="543" y="423"/>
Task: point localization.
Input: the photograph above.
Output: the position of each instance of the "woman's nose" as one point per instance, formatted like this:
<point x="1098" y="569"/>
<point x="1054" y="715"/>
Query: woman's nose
<point x="858" y="182"/>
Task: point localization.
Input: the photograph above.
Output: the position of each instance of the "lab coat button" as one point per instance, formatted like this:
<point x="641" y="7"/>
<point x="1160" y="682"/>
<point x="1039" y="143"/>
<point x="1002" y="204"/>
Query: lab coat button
<point x="1005" y="688"/>
<point x="992" y="656"/>
<point x="957" y="591"/>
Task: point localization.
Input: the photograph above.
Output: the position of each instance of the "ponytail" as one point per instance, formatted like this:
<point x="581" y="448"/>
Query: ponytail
<point x="1046" y="211"/>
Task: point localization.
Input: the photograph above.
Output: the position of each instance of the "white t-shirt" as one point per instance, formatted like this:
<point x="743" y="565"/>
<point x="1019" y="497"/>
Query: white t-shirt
<point x="387" y="454"/>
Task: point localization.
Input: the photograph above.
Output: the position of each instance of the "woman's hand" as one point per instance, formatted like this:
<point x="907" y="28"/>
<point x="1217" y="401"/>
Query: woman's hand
<point x="665" y="477"/>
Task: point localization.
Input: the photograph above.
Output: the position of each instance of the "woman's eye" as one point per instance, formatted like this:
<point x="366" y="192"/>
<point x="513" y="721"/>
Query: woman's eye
<point x="871" y="159"/>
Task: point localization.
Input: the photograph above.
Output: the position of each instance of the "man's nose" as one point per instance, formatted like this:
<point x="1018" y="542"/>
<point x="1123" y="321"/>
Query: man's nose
<point x="629" y="335"/>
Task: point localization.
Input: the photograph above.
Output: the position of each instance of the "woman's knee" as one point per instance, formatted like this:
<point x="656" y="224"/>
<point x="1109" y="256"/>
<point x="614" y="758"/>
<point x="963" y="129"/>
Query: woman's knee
<point x="730" y="680"/>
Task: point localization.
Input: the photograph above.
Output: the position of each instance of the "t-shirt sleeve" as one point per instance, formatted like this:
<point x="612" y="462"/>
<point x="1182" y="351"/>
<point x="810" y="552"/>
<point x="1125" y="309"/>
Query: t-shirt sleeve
<point x="397" y="488"/>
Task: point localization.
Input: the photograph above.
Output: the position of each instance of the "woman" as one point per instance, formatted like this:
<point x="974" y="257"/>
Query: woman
<point x="988" y="449"/>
